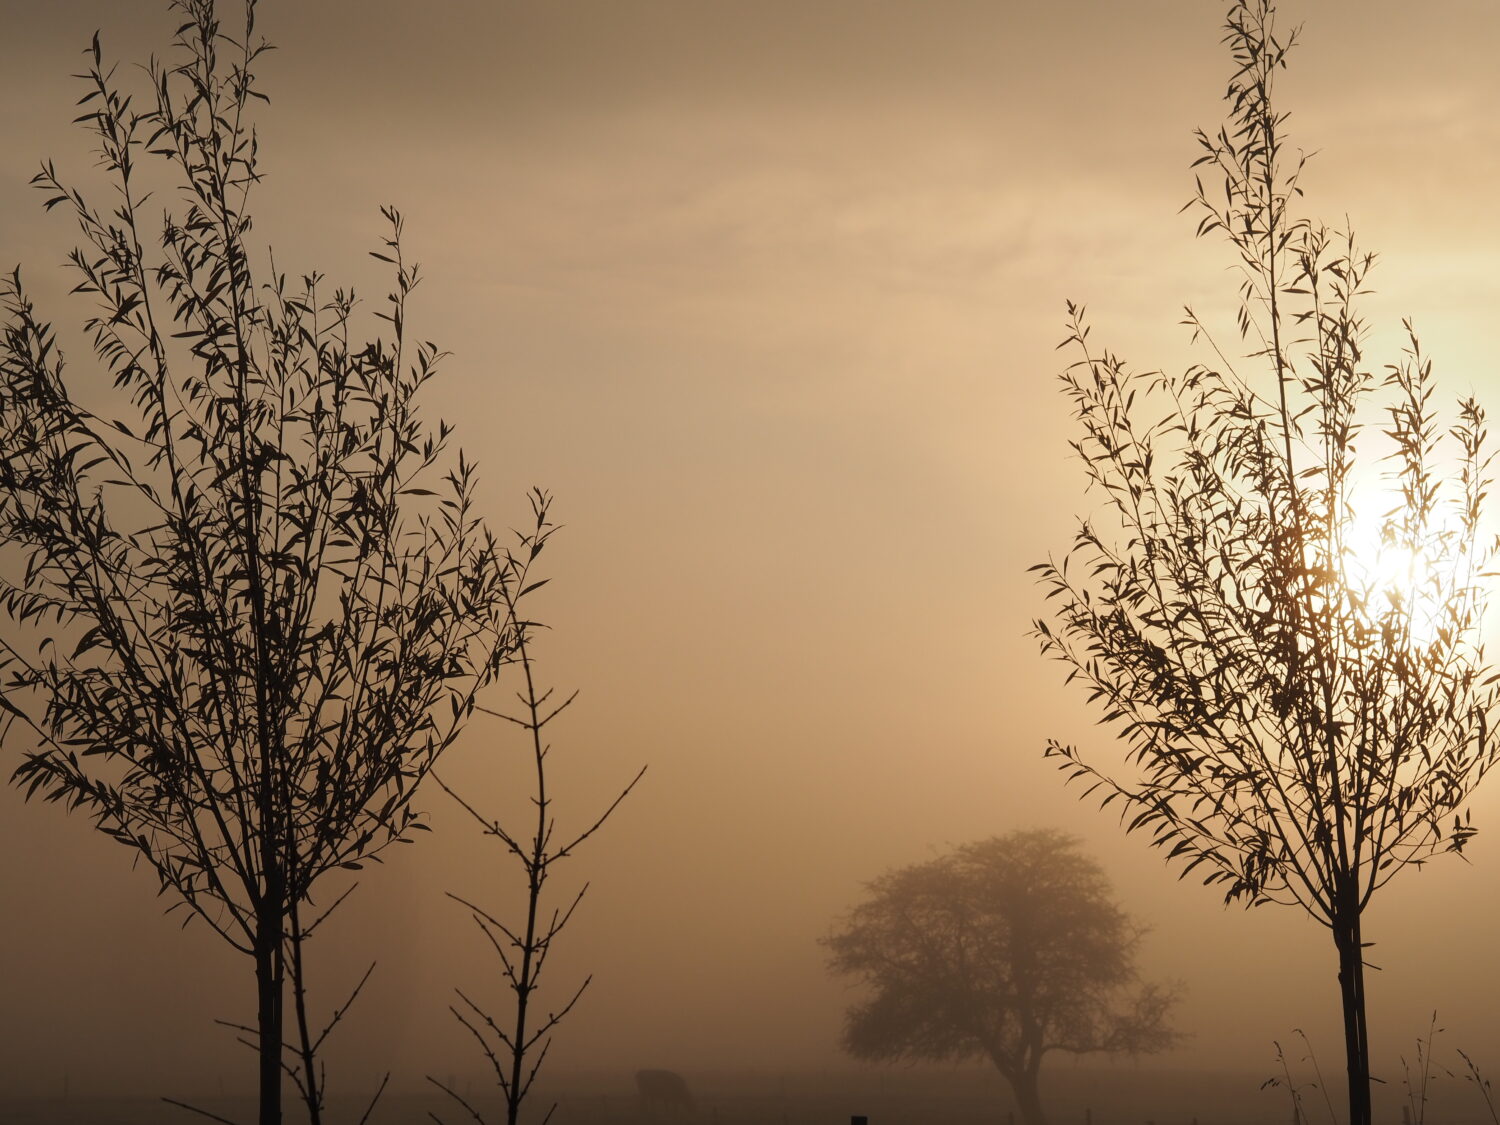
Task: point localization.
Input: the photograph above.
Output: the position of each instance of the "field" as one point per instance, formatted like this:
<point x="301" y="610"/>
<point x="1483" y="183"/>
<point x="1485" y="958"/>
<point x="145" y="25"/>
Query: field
<point x="1077" y="1095"/>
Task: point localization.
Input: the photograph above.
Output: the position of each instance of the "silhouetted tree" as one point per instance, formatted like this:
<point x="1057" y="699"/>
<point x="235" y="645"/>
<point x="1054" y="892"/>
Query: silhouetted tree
<point x="250" y="600"/>
<point x="516" y="1043"/>
<point x="1302" y="718"/>
<point x="1002" y="950"/>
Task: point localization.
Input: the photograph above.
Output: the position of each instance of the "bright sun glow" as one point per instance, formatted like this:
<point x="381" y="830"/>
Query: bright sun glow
<point x="1390" y="575"/>
<point x="1386" y="568"/>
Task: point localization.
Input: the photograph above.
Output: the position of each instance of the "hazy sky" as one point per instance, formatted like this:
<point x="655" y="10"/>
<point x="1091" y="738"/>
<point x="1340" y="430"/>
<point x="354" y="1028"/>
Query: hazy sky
<point x="767" y="294"/>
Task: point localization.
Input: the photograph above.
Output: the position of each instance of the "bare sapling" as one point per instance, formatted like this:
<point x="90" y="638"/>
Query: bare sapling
<point x="515" y="1041"/>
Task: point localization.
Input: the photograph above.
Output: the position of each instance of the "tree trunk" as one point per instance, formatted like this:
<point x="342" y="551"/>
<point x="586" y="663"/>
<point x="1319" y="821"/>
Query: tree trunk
<point x="1346" y="936"/>
<point x="1028" y="1097"/>
<point x="268" y="987"/>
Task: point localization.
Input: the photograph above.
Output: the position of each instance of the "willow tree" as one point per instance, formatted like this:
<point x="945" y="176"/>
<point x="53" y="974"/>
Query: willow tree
<point x="1304" y="703"/>
<point x="249" y="599"/>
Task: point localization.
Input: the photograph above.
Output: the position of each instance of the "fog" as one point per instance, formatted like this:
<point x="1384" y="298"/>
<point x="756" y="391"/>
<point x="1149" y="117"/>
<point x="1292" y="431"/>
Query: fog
<point x="767" y="295"/>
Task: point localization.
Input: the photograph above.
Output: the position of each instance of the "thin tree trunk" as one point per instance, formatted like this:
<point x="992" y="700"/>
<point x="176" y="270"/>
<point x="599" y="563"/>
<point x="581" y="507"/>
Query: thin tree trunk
<point x="536" y="874"/>
<point x="1346" y="936"/>
<point x="312" y="1094"/>
<point x="268" y="985"/>
<point x="524" y="985"/>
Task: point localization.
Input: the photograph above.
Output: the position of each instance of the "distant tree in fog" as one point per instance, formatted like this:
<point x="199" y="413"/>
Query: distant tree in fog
<point x="515" y="1041"/>
<point x="1003" y="950"/>
<point x="1306" y="709"/>
<point x="250" y="599"/>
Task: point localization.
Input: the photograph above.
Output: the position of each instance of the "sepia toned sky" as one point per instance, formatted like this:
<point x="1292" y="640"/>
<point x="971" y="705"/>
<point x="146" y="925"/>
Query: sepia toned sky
<point x="767" y="294"/>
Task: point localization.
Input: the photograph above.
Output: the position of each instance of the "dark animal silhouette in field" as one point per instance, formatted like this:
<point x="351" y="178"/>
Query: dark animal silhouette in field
<point x="662" y="1091"/>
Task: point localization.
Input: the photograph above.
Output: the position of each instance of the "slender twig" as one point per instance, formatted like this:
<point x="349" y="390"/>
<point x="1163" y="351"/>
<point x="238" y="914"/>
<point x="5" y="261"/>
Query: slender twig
<point x="375" y="1100"/>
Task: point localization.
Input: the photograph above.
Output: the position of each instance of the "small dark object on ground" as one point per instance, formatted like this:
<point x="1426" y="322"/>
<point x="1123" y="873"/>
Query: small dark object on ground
<point x="663" y="1090"/>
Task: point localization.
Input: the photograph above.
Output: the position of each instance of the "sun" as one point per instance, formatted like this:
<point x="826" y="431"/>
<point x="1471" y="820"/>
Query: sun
<point x="1376" y="564"/>
<point x="1400" y="581"/>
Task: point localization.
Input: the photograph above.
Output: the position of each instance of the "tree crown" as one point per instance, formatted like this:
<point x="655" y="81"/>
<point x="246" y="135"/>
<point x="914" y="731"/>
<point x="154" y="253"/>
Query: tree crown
<point x="1002" y="949"/>
<point x="1299" y="728"/>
